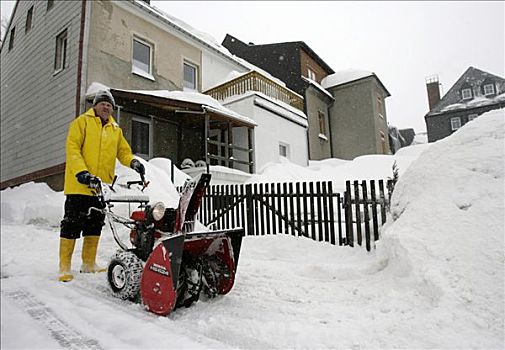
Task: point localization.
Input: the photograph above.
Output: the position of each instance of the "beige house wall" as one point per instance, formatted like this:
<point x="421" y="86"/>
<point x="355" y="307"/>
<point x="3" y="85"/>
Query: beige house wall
<point x="113" y="25"/>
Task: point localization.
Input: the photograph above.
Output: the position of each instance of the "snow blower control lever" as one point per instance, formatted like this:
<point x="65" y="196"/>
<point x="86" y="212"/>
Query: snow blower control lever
<point x="142" y="182"/>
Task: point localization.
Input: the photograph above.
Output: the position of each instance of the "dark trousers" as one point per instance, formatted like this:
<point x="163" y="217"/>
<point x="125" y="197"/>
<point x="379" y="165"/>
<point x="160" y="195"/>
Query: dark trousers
<point x="76" y="219"/>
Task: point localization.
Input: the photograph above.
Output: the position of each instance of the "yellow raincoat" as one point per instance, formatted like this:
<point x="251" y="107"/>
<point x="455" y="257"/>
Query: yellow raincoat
<point x="93" y="148"/>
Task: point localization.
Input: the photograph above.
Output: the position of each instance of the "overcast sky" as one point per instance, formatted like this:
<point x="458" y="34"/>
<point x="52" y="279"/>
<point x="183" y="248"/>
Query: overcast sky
<point x="402" y="42"/>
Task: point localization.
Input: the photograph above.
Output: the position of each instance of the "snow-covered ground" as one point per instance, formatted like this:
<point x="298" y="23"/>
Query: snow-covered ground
<point x="435" y="280"/>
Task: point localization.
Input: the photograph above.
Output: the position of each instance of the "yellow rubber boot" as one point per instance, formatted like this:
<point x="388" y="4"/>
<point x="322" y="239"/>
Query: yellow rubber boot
<point x="66" y="251"/>
<point x="89" y="247"/>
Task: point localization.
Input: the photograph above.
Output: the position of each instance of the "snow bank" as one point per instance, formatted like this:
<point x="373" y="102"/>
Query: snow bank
<point x="446" y="238"/>
<point x="37" y="203"/>
<point x="32" y="203"/>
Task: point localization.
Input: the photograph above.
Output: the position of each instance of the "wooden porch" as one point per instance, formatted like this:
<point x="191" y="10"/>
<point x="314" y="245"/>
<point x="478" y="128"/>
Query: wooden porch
<point x="182" y="129"/>
<point x="254" y="81"/>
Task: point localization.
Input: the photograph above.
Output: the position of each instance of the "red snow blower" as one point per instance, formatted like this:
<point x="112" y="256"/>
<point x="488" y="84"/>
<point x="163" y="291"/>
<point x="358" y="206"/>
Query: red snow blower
<point x="169" y="264"/>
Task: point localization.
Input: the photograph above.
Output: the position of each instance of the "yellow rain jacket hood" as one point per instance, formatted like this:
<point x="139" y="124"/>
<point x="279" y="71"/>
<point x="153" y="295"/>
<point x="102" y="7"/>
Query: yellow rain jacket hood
<point x="93" y="147"/>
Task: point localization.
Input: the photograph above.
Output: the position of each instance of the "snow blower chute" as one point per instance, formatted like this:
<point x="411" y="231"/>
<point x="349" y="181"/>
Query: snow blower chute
<point x="170" y="264"/>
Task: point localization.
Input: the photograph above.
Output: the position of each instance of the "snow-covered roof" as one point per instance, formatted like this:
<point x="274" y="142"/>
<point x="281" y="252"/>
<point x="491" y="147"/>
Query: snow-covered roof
<point x="472" y="78"/>
<point x="206" y="101"/>
<point x="205" y="39"/>
<point x="276" y="106"/>
<point x="344" y="76"/>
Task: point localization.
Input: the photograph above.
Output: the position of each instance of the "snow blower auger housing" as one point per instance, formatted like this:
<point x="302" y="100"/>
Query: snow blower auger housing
<point x="169" y="264"/>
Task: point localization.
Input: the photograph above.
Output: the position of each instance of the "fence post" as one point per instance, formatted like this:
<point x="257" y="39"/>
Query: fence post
<point x="358" y="212"/>
<point x="367" y="216"/>
<point x="249" y="209"/>
<point x="349" y="240"/>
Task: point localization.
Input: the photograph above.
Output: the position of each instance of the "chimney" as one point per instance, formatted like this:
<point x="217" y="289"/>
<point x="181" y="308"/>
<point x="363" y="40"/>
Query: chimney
<point x="433" y="89"/>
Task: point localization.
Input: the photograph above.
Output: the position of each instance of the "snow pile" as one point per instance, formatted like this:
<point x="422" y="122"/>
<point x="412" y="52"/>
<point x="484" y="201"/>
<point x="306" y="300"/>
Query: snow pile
<point x="32" y="203"/>
<point x="447" y="238"/>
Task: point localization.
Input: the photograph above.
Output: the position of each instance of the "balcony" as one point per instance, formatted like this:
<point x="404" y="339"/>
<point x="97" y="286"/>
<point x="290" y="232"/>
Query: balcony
<point x="254" y="81"/>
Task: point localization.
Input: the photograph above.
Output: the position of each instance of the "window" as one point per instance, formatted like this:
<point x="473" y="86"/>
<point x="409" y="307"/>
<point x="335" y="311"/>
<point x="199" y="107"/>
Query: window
<point x="142" y="58"/>
<point x="488" y="89"/>
<point x="472" y="117"/>
<point x="322" y="123"/>
<point x="384" y="144"/>
<point x="50" y="4"/>
<point x="455" y="123"/>
<point x="141" y="138"/>
<point x="29" y="17"/>
<point x="190" y="76"/>
<point x="60" y="54"/>
<point x="311" y="74"/>
<point x="380" y="107"/>
<point x="11" y="38"/>
<point x="466" y="93"/>
<point x="284" y="150"/>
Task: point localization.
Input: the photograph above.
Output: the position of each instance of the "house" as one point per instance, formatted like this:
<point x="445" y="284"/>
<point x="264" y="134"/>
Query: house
<point x="274" y="108"/>
<point x="346" y="113"/>
<point x="156" y="67"/>
<point x="473" y="94"/>
<point x="407" y="135"/>
<point x="358" y="116"/>
<point x="396" y="140"/>
<point x="302" y="70"/>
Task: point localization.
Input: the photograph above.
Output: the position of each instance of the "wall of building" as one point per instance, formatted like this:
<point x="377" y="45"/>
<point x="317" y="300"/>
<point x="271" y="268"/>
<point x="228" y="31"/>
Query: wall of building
<point x="280" y="60"/>
<point x="308" y="62"/>
<point x="380" y="116"/>
<point x="109" y="61"/>
<point x="37" y="104"/>
<point x="438" y="126"/>
<point x="267" y="136"/>
<point x="215" y="69"/>
<point x="319" y="146"/>
<point x="353" y="120"/>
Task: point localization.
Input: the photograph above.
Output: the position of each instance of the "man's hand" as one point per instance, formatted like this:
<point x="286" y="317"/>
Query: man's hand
<point x="138" y="167"/>
<point x="86" y="178"/>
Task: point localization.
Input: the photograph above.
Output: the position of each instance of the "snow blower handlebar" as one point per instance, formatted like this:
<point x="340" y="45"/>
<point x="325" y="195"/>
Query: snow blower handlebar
<point x="106" y="205"/>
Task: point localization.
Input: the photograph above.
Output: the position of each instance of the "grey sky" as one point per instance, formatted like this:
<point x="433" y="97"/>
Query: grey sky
<point x="402" y="42"/>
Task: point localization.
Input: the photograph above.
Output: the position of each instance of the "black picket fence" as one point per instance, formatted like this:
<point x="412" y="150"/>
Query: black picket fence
<point x="308" y="209"/>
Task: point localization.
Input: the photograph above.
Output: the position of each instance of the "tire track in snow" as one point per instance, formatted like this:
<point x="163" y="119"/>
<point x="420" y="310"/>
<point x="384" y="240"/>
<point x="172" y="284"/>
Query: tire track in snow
<point x="62" y="332"/>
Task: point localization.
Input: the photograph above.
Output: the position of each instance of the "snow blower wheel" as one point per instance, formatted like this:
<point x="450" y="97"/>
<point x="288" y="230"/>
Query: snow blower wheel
<point x="124" y="273"/>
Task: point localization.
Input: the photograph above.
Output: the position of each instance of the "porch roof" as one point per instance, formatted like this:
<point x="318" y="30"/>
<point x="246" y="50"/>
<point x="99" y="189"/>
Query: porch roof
<point x="191" y="104"/>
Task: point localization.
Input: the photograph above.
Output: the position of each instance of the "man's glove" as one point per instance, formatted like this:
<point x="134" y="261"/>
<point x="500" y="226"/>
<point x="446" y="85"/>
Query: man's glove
<point x="86" y="178"/>
<point x="138" y="167"/>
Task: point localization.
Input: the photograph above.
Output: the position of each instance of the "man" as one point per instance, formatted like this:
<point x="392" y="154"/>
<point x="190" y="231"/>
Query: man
<point x="94" y="141"/>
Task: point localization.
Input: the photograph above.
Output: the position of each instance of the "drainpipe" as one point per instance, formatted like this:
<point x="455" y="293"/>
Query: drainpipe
<point x="118" y="114"/>
<point x="79" y="62"/>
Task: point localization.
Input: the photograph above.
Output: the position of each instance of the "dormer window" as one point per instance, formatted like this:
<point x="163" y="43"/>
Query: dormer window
<point x="489" y="89"/>
<point x="466" y="93"/>
<point x="311" y="74"/>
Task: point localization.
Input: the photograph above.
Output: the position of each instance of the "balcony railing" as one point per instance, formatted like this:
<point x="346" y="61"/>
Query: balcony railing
<point x="254" y="81"/>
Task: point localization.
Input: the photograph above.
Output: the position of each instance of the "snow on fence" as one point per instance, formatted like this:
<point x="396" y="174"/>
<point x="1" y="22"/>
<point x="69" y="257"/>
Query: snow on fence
<point x="308" y="209"/>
